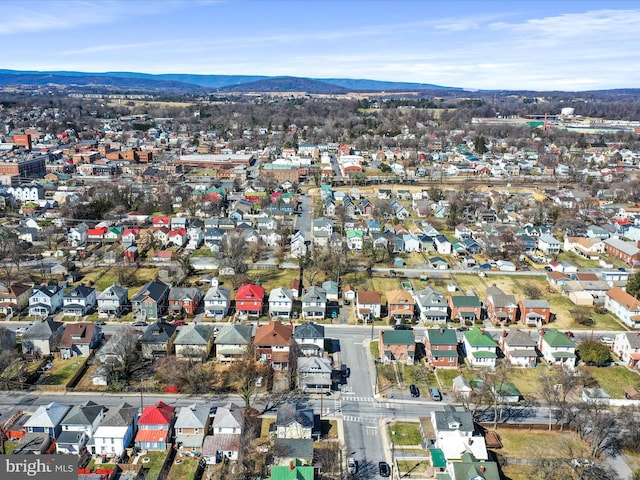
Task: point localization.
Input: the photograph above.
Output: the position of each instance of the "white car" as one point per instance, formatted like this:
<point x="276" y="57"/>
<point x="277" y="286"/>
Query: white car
<point x="607" y="340"/>
<point x="352" y="466"/>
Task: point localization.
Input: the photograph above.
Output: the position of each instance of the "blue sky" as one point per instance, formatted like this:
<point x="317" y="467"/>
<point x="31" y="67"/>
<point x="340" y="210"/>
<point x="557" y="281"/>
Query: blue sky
<point x="538" y="45"/>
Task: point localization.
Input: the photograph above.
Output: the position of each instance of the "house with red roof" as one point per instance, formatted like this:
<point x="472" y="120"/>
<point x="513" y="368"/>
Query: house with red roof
<point x="96" y="235"/>
<point x="155" y="427"/>
<point x="271" y="344"/>
<point x="178" y="237"/>
<point x="249" y="300"/>
<point x="130" y="236"/>
<point x="161" y="221"/>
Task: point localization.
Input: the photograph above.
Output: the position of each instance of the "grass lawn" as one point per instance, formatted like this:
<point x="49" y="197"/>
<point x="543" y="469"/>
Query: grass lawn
<point x="446" y="376"/>
<point x="404" y="433"/>
<point x="375" y="352"/>
<point x="526" y="380"/>
<point x="386" y="377"/>
<point x="411" y="466"/>
<point x="560" y="305"/>
<point x="102" y="278"/>
<point x="535" y="444"/>
<point x="418" y="374"/>
<point x="329" y="429"/>
<point x="186" y="468"/>
<point x="63" y="370"/>
<point x="86" y="383"/>
<point x="520" y="472"/>
<point x="154" y="464"/>
<point x="614" y="379"/>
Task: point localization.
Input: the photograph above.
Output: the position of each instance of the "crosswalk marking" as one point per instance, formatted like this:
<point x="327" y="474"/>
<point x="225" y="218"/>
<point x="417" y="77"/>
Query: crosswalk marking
<point x="360" y="399"/>
<point x="349" y="418"/>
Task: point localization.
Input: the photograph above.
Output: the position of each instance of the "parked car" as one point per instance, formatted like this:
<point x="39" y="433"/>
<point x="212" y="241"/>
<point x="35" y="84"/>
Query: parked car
<point x="384" y="469"/>
<point x="415" y="391"/>
<point x="606" y="340"/>
<point x="402" y="326"/>
<point x="435" y="394"/>
<point x="100" y="323"/>
<point x="345" y="371"/>
<point x="352" y="466"/>
<point x="179" y="323"/>
<point x="139" y="323"/>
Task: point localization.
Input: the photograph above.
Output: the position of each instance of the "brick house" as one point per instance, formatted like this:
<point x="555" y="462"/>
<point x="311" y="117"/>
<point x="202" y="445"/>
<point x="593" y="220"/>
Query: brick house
<point x="534" y="312"/>
<point x="400" y="305"/>
<point x="441" y="346"/>
<point x="184" y="300"/>
<point x="465" y="307"/>
<point x="271" y="344"/>
<point x="502" y="309"/>
<point x="397" y="346"/>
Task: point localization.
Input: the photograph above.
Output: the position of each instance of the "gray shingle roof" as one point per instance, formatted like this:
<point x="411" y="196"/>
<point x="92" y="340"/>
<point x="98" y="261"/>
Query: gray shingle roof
<point x="194" y="334"/>
<point x="235" y="334"/>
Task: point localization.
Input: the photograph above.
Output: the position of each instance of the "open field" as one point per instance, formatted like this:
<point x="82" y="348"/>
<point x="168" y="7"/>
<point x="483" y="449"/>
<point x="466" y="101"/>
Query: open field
<point x="103" y="277"/>
<point x="613" y="379"/>
<point x="534" y="444"/>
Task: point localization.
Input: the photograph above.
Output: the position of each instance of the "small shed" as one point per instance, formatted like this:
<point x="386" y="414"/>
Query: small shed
<point x="595" y="395"/>
<point x="631" y="393"/>
<point x="461" y="387"/>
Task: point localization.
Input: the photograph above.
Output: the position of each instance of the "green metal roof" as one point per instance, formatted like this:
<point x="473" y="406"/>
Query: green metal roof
<point x="465" y="301"/>
<point x="398" y="337"/>
<point x="554" y="338"/>
<point x="437" y="458"/>
<point x="507" y="389"/>
<point x="563" y="355"/>
<point x="445" y="336"/>
<point x="297" y="473"/>
<point x="484" y="354"/>
<point x="479" y="338"/>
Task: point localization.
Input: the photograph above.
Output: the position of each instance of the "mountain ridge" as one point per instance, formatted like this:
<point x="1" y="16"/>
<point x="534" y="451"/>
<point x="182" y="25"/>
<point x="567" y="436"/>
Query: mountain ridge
<point x="232" y="83"/>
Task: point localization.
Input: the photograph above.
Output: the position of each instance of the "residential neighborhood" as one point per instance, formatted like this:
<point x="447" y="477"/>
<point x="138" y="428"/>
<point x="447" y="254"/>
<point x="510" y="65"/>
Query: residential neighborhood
<point x="278" y="300"/>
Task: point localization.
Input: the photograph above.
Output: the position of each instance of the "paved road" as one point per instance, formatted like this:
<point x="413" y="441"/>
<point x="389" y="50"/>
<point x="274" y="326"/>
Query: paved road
<point x="363" y="413"/>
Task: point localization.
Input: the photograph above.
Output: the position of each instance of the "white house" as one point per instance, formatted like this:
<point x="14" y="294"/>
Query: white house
<point x="479" y="348"/>
<point x="310" y="338"/>
<point x="314" y="303"/>
<point x="626" y="307"/>
<point x="280" y="303"/>
<point x="443" y="246"/>
<point x="115" y="431"/>
<point x="45" y="300"/>
<point x="626" y="345"/>
<point x="456" y="434"/>
<point x="557" y="349"/>
<point x="112" y="301"/>
<point x="78" y="236"/>
<point x="217" y="301"/>
<point x="549" y="245"/>
<point x="298" y="245"/>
